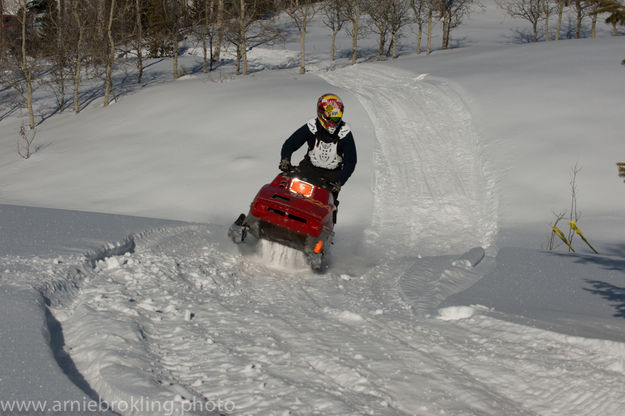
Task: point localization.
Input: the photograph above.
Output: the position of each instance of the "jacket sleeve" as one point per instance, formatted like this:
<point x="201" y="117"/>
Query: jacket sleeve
<point x="293" y="143"/>
<point x="349" y="158"/>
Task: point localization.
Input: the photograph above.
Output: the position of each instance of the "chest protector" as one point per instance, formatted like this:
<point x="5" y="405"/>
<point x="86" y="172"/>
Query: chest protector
<point x="324" y="154"/>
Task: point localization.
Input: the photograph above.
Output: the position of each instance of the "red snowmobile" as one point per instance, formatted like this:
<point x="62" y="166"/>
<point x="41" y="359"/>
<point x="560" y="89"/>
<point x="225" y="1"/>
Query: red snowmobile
<point x="295" y="210"/>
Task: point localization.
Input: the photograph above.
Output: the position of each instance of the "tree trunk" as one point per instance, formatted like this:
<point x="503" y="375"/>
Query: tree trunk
<point x="560" y="13"/>
<point x="594" y="23"/>
<point x="238" y="59"/>
<point x="302" y="41"/>
<point x="220" y="30"/>
<point x="242" y="38"/>
<point x="446" y="29"/>
<point x="204" y="35"/>
<point x="205" y="57"/>
<point x="578" y="30"/>
<point x="355" y="24"/>
<point x="429" y="44"/>
<point x="27" y="75"/>
<point x="78" y="56"/>
<point x="333" y="47"/>
<point x="419" y="36"/>
<point x="546" y="10"/>
<point x="394" y="41"/>
<point x="60" y="54"/>
<point x="175" y="40"/>
<point x="139" y="41"/>
<point x="2" y="48"/>
<point x="111" y="56"/>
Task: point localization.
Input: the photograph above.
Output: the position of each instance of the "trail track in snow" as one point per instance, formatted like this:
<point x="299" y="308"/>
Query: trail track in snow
<point x="183" y="316"/>
<point x="433" y="193"/>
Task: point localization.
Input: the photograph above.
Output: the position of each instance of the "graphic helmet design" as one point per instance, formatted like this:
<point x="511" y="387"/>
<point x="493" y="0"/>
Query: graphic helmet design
<point x="329" y="111"/>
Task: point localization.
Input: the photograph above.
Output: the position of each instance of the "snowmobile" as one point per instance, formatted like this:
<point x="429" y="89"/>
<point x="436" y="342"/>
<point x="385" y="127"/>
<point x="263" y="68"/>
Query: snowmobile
<point x="296" y="210"/>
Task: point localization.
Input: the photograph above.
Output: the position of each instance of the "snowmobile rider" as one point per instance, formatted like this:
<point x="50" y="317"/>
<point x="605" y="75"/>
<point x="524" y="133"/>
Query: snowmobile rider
<point x="331" y="152"/>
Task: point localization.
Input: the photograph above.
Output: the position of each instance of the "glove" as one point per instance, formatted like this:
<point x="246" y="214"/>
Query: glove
<point x="335" y="187"/>
<point x="285" y="165"/>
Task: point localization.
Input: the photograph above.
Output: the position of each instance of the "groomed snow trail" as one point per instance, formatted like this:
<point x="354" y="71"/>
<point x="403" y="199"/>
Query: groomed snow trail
<point x="432" y="191"/>
<point x="179" y="317"/>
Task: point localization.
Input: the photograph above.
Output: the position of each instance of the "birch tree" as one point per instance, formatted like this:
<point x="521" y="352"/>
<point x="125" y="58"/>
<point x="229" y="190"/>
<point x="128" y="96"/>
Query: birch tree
<point x="581" y="11"/>
<point x="2" y="43"/>
<point x="561" y="4"/>
<point x="353" y="13"/>
<point x="76" y="57"/>
<point x="139" y="39"/>
<point x="333" y="18"/>
<point x="219" y="21"/>
<point x="378" y="16"/>
<point x="419" y="9"/>
<point x="244" y="15"/>
<point x="398" y="17"/>
<point x="451" y="13"/>
<point x="301" y="13"/>
<point x="110" y="56"/>
<point x="23" y="65"/>
<point x="530" y="10"/>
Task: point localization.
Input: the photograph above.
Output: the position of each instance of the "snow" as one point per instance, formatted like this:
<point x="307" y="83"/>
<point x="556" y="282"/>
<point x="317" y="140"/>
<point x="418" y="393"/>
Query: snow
<point x="121" y="292"/>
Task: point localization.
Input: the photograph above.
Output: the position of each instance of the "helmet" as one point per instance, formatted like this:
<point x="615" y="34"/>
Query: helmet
<point x="329" y="111"/>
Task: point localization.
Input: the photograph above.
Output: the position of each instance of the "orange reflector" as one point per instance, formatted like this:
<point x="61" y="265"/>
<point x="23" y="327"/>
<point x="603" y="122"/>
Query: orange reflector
<point x="301" y="187"/>
<point x="318" y="246"/>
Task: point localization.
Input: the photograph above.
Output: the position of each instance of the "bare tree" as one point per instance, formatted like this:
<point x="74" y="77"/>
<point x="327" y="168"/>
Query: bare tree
<point x="581" y="11"/>
<point x="219" y="21"/>
<point x="451" y="13"/>
<point x="548" y="8"/>
<point x="139" y="40"/>
<point x="353" y="13"/>
<point x="561" y="4"/>
<point x="420" y="8"/>
<point x="168" y="21"/>
<point x="245" y="26"/>
<point x="388" y="18"/>
<point x="2" y="45"/>
<point x="398" y="17"/>
<point x="334" y="18"/>
<point x="56" y="49"/>
<point x="378" y="16"/>
<point x="23" y="63"/>
<point x="244" y="22"/>
<point x="110" y="56"/>
<point x="76" y="57"/>
<point x="301" y="13"/>
<point x="530" y="10"/>
<point x="428" y="48"/>
<point x="203" y="18"/>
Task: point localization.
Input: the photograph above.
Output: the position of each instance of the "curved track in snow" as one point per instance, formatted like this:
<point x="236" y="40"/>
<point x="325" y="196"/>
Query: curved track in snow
<point x="180" y="316"/>
<point x="432" y="192"/>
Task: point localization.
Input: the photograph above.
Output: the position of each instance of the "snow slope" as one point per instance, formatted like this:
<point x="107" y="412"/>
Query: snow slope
<point x="436" y="299"/>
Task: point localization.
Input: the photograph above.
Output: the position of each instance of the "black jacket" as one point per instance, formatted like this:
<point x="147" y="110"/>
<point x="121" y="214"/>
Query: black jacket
<point x="312" y="132"/>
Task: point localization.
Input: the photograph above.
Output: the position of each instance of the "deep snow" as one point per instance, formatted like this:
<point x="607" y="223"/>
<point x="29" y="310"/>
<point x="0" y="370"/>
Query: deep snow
<point x="437" y="298"/>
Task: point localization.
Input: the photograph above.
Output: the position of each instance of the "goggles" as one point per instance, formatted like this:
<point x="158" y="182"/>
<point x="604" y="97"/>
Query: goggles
<point x="331" y="120"/>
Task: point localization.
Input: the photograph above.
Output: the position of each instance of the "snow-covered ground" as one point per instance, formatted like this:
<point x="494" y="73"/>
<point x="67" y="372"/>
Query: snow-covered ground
<point x="437" y="299"/>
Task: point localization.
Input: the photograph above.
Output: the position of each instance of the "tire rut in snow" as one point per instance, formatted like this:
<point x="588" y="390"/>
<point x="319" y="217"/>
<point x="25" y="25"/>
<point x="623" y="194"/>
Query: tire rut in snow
<point x="432" y="193"/>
